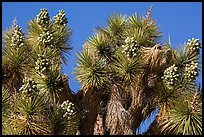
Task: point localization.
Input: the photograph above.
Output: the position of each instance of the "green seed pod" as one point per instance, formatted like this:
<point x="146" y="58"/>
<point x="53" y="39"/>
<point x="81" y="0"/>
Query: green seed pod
<point x="43" y="18"/>
<point x="60" y="19"/>
<point x="17" y="37"/>
<point x="170" y="75"/>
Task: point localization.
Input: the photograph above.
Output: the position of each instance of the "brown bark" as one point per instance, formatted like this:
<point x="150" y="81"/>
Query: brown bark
<point x="142" y="99"/>
<point x="126" y="109"/>
<point x="118" y="119"/>
<point x="86" y="104"/>
<point x="67" y="93"/>
<point x="90" y="102"/>
<point x="155" y="127"/>
<point x="98" y="126"/>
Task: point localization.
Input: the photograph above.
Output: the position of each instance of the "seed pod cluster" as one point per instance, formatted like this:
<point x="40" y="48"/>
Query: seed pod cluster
<point x="191" y="71"/>
<point x="17" y="37"/>
<point x="43" y="18"/>
<point x="68" y="107"/>
<point x="46" y="38"/>
<point x="42" y="63"/>
<point x="130" y="47"/>
<point x="170" y="75"/>
<point x="194" y="44"/>
<point x="60" y="18"/>
<point x="29" y="86"/>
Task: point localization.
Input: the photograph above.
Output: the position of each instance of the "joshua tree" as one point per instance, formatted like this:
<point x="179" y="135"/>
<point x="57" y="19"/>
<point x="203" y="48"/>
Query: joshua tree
<point x="126" y="74"/>
<point x="34" y="97"/>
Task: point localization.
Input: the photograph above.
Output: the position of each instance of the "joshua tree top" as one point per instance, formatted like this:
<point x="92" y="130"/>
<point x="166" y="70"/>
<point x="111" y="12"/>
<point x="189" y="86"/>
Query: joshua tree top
<point x="125" y="73"/>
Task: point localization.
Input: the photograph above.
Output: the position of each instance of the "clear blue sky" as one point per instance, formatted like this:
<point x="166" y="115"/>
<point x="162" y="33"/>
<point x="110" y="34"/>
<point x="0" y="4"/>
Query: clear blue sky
<point x="182" y="20"/>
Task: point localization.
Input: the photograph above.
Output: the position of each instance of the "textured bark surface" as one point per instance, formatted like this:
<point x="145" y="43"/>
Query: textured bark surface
<point x="86" y="104"/>
<point x="142" y="99"/>
<point x="156" y="59"/>
<point x="98" y="126"/>
<point x="90" y="102"/>
<point x="118" y="119"/>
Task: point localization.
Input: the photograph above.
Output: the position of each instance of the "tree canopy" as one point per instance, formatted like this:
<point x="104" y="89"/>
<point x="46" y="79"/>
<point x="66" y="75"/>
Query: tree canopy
<point x="126" y="74"/>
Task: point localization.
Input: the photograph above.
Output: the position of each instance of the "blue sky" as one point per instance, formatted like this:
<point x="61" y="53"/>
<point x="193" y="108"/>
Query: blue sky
<point x="182" y="20"/>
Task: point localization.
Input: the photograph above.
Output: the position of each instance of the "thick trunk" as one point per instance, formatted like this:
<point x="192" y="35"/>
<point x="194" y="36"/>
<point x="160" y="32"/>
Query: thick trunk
<point x="135" y="108"/>
<point x="118" y="119"/>
<point x="86" y="105"/>
<point x="90" y="103"/>
<point x="128" y="108"/>
<point x="125" y="109"/>
<point x="142" y="98"/>
<point x="142" y="105"/>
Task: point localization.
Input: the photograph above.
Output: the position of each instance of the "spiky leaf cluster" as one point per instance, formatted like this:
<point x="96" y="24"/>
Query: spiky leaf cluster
<point x="191" y="71"/>
<point x="57" y="124"/>
<point x="124" y="68"/>
<point x="68" y="107"/>
<point x="15" y="57"/>
<point x="28" y="119"/>
<point x="60" y="18"/>
<point x="42" y="63"/>
<point x="170" y="76"/>
<point x="51" y="84"/>
<point x="183" y="118"/>
<point x="145" y="31"/>
<point x="194" y="44"/>
<point x="43" y="18"/>
<point x="46" y="38"/>
<point x="91" y="73"/>
<point x="6" y="105"/>
<point x="29" y="86"/>
<point x="30" y="97"/>
<point x="131" y="47"/>
<point x="100" y="46"/>
<point x="17" y="37"/>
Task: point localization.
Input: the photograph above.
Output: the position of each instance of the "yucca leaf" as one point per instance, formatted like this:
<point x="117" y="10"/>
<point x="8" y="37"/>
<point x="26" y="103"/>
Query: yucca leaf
<point x="101" y="43"/>
<point x="91" y="73"/>
<point x="182" y="120"/>
<point x="125" y="68"/>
